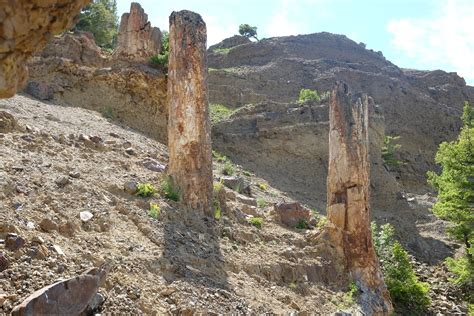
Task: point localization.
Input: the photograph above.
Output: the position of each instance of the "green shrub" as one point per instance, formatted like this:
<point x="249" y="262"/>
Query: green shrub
<point x="263" y="186"/>
<point x="218" y="186"/>
<point x="302" y="224"/>
<point x="219" y="112"/>
<point x="322" y="222"/>
<point x="228" y="168"/>
<point x="308" y="95"/>
<point x="402" y="283"/>
<point x="160" y="60"/>
<point x="389" y="150"/>
<point x="246" y="173"/>
<point x="256" y="221"/>
<point x="154" y="211"/>
<point x="463" y="269"/>
<point x="145" y="189"/>
<point x="261" y="203"/>
<point x="168" y="190"/>
<point x="218" y="156"/>
<point x="223" y="51"/>
<point x="109" y="113"/>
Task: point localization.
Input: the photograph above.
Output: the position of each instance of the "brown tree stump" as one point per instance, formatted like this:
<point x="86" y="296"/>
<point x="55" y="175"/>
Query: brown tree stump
<point x="189" y="126"/>
<point x="348" y="196"/>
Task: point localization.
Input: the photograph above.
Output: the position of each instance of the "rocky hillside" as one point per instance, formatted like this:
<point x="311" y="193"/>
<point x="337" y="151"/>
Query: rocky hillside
<point x="422" y="107"/>
<point x="68" y="190"/>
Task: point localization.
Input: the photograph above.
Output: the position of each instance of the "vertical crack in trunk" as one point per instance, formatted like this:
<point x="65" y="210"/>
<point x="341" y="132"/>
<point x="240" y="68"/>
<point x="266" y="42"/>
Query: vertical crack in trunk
<point x="348" y="197"/>
<point x="189" y="127"/>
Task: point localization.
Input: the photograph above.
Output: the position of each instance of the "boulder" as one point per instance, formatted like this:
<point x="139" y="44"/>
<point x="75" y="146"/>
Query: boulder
<point x="292" y="213"/>
<point x="68" y="297"/>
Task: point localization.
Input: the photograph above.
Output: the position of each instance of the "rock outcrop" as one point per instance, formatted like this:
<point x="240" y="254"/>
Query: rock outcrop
<point x="26" y="26"/>
<point x="72" y="70"/>
<point x="276" y="69"/>
<point x="348" y="196"/>
<point x="137" y="39"/>
<point x="189" y="125"/>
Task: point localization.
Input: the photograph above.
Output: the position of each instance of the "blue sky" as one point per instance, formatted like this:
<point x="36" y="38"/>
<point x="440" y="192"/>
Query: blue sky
<point x="420" y="34"/>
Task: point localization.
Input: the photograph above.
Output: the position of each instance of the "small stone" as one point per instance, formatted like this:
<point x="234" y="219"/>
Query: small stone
<point x="38" y="240"/>
<point x="291" y="214"/>
<point x="86" y="216"/>
<point x="67" y="229"/>
<point x="13" y="242"/>
<point x="96" y="139"/>
<point x="114" y="135"/>
<point x="48" y="225"/>
<point x="30" y="225"/>
<point x="62" y="181"/>
<point x="75" y="174"/>
<point x="4" y="262"/>
<point x="130" y="187"/>
<point x="21" y="189"/>
<point x="39" y="252"/>
<point x="58" y="250"/>
<point x="153" y="165"/>
<point x="130" y="151"/>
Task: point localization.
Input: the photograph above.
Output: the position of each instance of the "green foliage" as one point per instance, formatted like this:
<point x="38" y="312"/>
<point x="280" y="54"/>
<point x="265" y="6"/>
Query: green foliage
<point x="256" y="221"/>
<point x="218" y="156"/>
<point x="292" y="286"/>
<point x="455" y="203"/>
<point x="161" y="59"/>
<point x="348" y="299"/>
<point x="248" y="31"/>
<point x="168" y="191"/>
<point x="218" y="186"/>
<point x="219" y="112"/>
<point x="261" y="203"/>
<point x="455" y="184"/>
<point x="308" y="95"/>
<point x="228" y="168"/>
<point x="109" y="113"/>
<point x="154" y="211"/>
<point x="145" y="189"/>
<point x="302" y="224"/>
<point x="389" y="149"/>
<point x="404" y="287"/>
<point x="246" y="173"/>
<point x="262" y="186"/>
<point x="223" y="51"/>
<point x="323" y="221"/>
<point x="100" y="18"/>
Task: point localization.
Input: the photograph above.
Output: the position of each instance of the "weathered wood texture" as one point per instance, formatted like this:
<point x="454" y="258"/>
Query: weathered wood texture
<point x="189" y="127"/>
<point x="348" y="196"/>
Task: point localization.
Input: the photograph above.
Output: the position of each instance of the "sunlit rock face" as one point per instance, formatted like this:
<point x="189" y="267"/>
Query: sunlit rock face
<point x="25" y="27"/>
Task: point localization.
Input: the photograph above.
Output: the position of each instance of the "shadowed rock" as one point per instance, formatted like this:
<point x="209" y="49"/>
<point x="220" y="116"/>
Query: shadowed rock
<point x="189" y="130"/>
<point x="68" y="297"/>
<point x="348" y="196"/>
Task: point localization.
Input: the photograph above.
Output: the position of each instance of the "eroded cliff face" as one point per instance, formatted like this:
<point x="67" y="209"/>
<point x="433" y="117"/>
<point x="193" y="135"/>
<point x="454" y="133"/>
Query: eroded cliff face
<point x="25" y="27"/>
<point x="276" y="69"/>
<point x="137" y="39"/>
<point x="72" y="70"/>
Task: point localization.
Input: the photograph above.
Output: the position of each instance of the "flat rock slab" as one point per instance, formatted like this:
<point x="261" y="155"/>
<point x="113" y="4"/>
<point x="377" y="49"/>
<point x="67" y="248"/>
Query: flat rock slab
<point x="291" y="214"/>
<point x="68" y="297"/>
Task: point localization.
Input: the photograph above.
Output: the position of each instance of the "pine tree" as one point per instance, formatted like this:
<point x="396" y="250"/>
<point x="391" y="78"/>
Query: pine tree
<point x="455" y="203"/>
<point x="100" y="18"/>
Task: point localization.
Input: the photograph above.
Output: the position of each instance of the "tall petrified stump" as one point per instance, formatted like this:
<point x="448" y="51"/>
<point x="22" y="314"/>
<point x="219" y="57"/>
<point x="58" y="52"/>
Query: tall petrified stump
<point x="348" y="196"/>
<point x="189" y="129"/>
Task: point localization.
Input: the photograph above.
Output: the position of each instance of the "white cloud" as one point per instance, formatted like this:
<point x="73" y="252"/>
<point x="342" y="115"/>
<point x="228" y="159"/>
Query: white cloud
<point x="281" y="22"/>
<point x="447" y="38"/>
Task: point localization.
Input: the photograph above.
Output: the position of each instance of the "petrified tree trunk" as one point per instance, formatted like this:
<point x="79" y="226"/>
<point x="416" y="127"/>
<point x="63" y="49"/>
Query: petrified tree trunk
<point x="25" y="27"/>
<point x="137" y="38"/>
<point x="348" y="196"/>
<point x="189" y="129"/>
